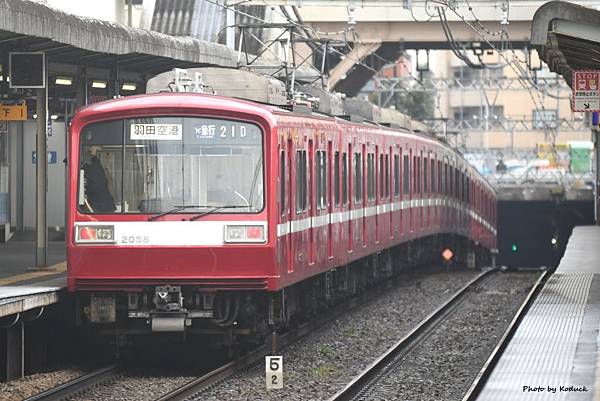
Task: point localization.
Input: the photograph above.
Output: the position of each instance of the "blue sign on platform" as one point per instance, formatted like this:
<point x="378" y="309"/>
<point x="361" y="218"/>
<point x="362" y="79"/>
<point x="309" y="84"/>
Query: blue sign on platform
<point x="51" y="157"/>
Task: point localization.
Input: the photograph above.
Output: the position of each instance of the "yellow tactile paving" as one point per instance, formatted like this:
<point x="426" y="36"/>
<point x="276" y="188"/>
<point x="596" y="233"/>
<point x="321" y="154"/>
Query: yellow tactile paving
<point x="47" y="271"/>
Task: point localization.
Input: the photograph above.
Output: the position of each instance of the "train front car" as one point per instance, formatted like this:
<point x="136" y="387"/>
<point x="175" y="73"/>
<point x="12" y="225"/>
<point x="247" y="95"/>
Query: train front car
<point x="168" y="213"/>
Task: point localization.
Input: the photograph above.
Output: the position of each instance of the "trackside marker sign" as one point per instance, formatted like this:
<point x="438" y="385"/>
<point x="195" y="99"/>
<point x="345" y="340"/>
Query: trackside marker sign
<point x="586" y="90"/>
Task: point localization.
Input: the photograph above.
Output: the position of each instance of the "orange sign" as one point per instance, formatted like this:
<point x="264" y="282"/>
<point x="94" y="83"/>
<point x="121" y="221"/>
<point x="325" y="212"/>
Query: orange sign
<point x="13" y="112"/>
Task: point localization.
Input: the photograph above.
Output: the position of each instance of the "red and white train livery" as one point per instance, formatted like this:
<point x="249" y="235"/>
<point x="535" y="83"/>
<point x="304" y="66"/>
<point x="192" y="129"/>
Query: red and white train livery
<point x="195" y="212"/>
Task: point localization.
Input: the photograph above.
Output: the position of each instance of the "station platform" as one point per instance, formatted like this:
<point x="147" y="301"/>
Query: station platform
<point x="17" y="261"/>
<point x="555" y="352"/>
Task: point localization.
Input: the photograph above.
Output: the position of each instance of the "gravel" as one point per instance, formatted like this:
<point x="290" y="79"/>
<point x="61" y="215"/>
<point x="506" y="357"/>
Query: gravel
<point x="28" y="386"/>
<point x="448" y="361"/>
<point x="319" y="365"/>
<point x="134" y="387"/>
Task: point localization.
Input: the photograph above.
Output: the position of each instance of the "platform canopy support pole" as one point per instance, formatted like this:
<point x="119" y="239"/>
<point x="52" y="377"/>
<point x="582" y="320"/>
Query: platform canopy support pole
<point x="41" y="238"/>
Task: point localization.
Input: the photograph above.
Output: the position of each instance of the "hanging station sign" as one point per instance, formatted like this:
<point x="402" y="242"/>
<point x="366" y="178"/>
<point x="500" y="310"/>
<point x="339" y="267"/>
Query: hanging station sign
<point x="14" y="112"/>
<point x="586" y="90"/>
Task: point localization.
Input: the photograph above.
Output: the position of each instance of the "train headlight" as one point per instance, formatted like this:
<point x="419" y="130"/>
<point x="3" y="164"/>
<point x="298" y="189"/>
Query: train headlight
<point x="249" y="233"/>
<point x="95" y="234"/>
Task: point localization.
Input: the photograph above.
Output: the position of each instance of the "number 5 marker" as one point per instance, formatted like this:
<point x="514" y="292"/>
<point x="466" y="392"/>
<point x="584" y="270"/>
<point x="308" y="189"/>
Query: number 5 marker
<point x="274" y="372"/>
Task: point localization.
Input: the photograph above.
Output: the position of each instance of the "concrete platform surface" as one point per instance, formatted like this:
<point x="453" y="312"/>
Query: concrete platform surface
<point x="554" y="354"/>
<point x="17" y="262"/>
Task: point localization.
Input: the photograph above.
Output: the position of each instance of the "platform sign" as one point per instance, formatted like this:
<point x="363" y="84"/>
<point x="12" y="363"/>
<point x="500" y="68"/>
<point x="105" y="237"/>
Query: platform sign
<point x="16" y="112"/>
<point x="586" y="90"/>
<point x="274" y="372"/>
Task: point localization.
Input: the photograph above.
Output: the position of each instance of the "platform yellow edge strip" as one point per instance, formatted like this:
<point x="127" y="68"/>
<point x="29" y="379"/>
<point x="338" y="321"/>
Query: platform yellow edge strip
<point x="49" y="271"/>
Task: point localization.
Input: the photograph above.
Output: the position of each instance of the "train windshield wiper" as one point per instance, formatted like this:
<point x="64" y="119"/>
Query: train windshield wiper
<point x="175" y="210"/>
<point x="216" y="209"/>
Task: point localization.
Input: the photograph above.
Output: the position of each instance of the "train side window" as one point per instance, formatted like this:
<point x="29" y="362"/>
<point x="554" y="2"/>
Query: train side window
<point x="370" y="176"/>
<point x="321" y="176"/>
<point x="336" y="178"/>
<point x="439" y="177"/>
<point x="406" y="174"/>
<point x="381" y="175"/>
<point x="301" y="183"/>
<point x="387" y="175"/>
<point x="433" y="183"/>
<point x="396" y="175"/>
<point x="344" y="179"/>
<point x="282" y="183"/>
<point x="357" y="177"/>
<point x="425" y="174"/>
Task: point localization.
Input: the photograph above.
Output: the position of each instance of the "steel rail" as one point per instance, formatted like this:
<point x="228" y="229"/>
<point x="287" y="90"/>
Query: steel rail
<point x="202" y="383"/>
<point x="78" y="384"/>
<point x="492" y="361"/>
<point x="413" y="337"/>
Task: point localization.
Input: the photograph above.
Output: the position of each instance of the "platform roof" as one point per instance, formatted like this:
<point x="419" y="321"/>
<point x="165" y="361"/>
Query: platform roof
<point x="69" y="39"/>
<point x="567" y="37"/>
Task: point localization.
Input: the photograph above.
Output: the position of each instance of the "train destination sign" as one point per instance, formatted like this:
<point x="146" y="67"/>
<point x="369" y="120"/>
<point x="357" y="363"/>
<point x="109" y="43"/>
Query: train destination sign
<point x="586" y="90"/>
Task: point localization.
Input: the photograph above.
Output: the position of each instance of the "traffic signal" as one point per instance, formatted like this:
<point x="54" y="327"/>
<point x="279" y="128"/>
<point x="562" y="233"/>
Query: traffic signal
<point x="514" y="248"/>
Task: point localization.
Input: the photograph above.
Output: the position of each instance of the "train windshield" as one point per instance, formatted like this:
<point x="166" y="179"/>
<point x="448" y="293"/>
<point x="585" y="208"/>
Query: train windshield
<point x="157" y="164"/>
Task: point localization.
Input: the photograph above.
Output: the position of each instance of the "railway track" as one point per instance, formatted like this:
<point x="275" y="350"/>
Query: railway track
<point x="359" y="387"/>
<point x="194" y="389"/>
<point x="79" y="384"/>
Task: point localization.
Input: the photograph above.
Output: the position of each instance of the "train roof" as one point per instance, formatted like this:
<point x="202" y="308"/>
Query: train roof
<point x="267" y="112"/>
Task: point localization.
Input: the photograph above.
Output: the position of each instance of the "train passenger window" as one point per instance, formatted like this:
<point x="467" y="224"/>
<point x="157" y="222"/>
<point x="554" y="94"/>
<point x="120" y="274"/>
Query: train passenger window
<point x="387" y="175"/>
<point x="300" y="180"/>
<point x="358" y="177"/>
<point x="396" y="175"/>
<point x="344" y="178"/>
<point x="406" y="174"/>
<point x="433" y="183"/>
<point x="425" y="174"/>
<point x="370" y="176"/>
<point x="336" y="178"/>
<point x="321" y="172"/>
<point x="282" y="183"/>
<point x="439" y="177"/>
<point x="381" y="173"/>
<point x="457" y="183"/>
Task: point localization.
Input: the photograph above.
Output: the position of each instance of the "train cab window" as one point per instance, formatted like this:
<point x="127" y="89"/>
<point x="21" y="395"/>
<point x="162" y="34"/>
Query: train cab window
<point x="396" y="176"/>
<point x="425" y="174"/>
<point x="344" y="179"/>
<point x="358" y="181"/>
<point x="282" y="183"/>
<point x="301" y="181"/>
<point x="336" y="178"/>
<point x="406" y="174"/>
<point x="154" y="164"/>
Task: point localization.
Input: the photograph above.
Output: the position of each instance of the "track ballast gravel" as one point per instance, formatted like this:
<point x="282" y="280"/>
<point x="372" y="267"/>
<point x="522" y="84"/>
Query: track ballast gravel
<point x="31" y="385"/>
<point x="445" y="364"/>
<point x="322" y="363"/>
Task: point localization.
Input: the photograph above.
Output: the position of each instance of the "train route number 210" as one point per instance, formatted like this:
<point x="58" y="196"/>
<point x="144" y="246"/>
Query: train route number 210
<point x="274" y="372"/>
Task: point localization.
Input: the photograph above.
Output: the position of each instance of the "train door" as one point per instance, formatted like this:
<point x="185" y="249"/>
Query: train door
<point x="289" y="206"/>
<point x="376" y="182"/>
<point x="332" y="183"/>
<point x="350" y="183"/>
<point x="388" y="190"/>
<point x="363" y="163"/>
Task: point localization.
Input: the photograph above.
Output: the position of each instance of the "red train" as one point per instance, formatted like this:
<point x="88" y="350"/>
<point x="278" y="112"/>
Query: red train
<point x="206" y="214"/>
